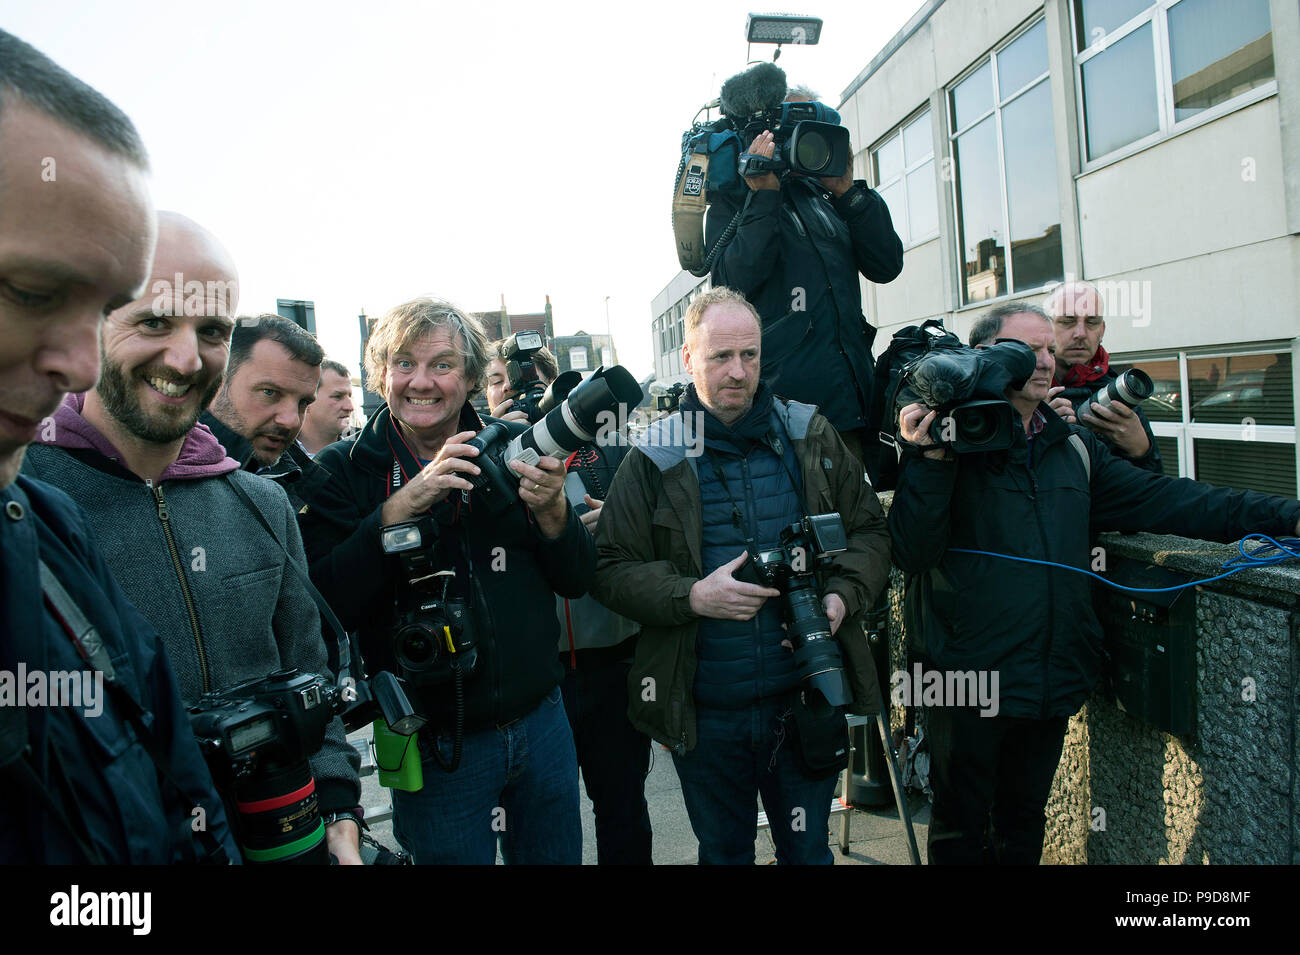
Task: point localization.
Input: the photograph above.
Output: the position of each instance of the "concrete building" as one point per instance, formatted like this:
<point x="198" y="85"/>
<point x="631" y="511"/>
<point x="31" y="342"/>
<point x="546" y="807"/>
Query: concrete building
<point x="667" y="328"/>
<point x="1152" y="148"/>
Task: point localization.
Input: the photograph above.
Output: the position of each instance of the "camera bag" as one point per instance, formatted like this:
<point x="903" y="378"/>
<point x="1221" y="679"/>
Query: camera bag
<point x="820" y="735"/>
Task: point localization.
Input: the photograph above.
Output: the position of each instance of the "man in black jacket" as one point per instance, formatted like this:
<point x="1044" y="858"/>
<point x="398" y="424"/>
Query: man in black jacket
<point x="271" y="378"/>
<point x="1083" y="369"/>
<point x="796" y="255"/>
<point x="517" y="776"/>
<point x="1031" y="625"/>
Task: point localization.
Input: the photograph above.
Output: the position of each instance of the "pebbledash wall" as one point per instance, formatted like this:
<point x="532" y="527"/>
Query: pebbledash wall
<point x="1227" y="793"/>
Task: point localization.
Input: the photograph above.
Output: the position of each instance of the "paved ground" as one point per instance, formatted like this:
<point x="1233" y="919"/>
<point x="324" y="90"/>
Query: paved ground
<point x="875" y="837"/>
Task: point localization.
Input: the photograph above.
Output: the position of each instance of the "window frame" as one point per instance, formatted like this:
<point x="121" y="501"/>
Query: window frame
<point x="995" y="110"/>
<point x="1187" y="432"/>
<point x="933" y="157"/>
<point x="1157" y="14"/>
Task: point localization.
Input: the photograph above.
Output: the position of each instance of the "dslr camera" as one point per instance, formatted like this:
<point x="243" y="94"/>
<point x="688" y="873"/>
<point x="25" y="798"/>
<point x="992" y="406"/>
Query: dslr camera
<point x="562" y="429"/>
<point x="788" y="568"/>
<point x="530" y="396"/>
<point x="257" y="737"/>
<point x="434" y="641"/>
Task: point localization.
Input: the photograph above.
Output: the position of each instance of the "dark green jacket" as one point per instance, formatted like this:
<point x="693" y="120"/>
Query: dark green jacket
<point x="648" y="556"/>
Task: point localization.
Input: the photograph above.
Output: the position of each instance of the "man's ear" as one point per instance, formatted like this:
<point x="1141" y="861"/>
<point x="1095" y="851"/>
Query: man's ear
<point x="686" y="358"/>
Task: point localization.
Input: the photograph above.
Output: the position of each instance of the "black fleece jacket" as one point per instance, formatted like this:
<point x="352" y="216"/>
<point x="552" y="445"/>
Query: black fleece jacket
<point x="514" y="574"/>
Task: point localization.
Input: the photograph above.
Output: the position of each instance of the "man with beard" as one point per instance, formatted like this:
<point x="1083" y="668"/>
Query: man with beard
<point x="166" y="501"/>
<point x="271" y="379"/>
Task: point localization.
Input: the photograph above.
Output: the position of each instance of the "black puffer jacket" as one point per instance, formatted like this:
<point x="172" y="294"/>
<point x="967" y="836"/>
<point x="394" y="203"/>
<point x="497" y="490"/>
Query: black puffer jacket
<point x="513" y="589"/>
<point x="1035" y="625"/>
<point x="796" y="256"/>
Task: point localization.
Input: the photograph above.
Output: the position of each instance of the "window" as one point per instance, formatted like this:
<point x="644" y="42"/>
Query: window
<point x="1225" y="419"/>
<point x="1004" y="151"/>
<point x="903" y="166"/>
<point x="1145" y="68"/>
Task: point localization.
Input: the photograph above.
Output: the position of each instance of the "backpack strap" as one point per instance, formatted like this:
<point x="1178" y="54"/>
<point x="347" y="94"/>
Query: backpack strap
<point x="1084" y="456"/>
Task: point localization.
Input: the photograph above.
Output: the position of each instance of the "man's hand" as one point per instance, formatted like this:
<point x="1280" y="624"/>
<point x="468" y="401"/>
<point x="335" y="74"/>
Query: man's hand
<point x="542" y="489"/>
<point x="764" y="144"/>
<point x="343" y="838"/>
<point x="723" y="597"/>
<point x="435" y="481"/>
<point x="833" y="604"/>
<point x="1061" y="406"/>
<point x="590" y="519"/>
<point x="503" y="412"/>
<point x="914" y="427"/>
<point x="1121" y="424"/>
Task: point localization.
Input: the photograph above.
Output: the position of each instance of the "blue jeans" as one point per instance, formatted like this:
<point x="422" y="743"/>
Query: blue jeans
<point x="519" y="782"/>
<point x="738" y="756"/>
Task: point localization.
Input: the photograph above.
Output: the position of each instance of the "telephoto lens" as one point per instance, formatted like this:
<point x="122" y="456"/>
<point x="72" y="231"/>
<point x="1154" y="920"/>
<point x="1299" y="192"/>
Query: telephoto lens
<point x="1129" y="389"/>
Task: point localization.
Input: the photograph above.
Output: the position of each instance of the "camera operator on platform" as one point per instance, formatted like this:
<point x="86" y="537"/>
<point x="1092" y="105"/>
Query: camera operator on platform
<point x="796" y="255"/>
<point x="713" y="678"/>
<point x="517" y="776"/>
<point x="595" y="648"/>
<point x="1033" y="626"/>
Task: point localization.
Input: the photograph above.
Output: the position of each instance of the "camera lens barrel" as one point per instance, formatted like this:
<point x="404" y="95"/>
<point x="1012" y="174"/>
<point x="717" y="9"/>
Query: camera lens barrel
<point x="1130" y="389"/>
<point x="278" y="817"/>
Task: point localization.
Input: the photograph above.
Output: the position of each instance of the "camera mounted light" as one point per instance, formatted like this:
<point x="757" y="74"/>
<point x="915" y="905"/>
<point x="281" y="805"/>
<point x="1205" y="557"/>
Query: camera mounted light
<point x="782" y="28"/>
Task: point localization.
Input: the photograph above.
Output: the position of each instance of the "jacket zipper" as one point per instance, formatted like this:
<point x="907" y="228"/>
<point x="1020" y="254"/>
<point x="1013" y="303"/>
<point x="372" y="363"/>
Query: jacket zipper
<point x="185" y="585"/>
<point x="753" y="517"/>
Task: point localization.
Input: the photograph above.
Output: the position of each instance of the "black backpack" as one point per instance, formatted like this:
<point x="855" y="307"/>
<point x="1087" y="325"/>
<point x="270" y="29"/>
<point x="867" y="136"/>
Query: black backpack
<point x="907" y="345"/>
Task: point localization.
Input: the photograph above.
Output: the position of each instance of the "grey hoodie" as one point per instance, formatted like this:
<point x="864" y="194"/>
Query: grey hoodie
<point x="253" y="614"/>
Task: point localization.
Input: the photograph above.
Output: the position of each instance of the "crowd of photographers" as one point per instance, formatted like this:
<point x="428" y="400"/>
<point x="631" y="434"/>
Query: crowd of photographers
<point x="512" y="598"/>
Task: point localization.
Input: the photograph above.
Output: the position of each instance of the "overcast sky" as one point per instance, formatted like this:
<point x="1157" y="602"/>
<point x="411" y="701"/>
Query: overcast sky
<point x="360" y="154"/>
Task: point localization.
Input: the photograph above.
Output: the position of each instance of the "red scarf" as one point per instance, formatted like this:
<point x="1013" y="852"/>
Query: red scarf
<point x="1082" y="374"/>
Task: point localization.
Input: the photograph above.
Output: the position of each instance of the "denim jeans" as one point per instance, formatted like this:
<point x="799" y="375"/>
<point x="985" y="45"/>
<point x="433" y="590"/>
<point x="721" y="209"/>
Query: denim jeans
<point x="615" y="759"/>
<point x="740" y="755"/>
<point x="518" y="782"/>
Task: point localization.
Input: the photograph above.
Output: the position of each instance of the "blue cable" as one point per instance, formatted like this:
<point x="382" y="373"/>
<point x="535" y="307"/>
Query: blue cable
<point x="1289" y="548"/>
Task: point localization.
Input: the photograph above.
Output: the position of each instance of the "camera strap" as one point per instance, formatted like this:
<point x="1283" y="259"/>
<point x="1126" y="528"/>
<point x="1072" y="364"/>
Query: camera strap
<point x="90" y="647"/>
<point x="326" y="614"/>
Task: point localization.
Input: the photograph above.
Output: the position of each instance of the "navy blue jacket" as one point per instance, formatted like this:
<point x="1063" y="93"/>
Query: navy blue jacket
<point x="742" y="661"/>
<point x="131" y="814"/>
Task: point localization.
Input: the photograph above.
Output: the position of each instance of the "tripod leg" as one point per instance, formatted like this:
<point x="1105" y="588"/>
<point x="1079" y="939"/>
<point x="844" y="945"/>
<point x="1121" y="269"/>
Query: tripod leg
<point x="900" y="797"/>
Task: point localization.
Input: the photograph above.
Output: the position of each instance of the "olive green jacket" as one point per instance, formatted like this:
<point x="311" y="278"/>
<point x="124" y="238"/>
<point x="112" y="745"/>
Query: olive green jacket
<point x="649" y="541"/>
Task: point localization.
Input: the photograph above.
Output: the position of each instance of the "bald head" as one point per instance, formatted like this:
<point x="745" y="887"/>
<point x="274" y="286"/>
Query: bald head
<point x="187" y="253"/>
<point x="1077" y="321"/>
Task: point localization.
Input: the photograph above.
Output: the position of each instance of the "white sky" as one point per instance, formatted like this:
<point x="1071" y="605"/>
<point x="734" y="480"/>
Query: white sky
<point x="359" y="154"/>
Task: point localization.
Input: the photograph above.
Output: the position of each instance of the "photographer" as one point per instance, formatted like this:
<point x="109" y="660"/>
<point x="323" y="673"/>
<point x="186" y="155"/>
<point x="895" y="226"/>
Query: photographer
<point x="517" y="776"/>
<point x="1083" y="369"/>
<point x="796" y="255"/>
<point x="205" y="550"/>
<point x="714" y="676"/>
<point x="1032" y="625"/>
<point x="595" y="648"/>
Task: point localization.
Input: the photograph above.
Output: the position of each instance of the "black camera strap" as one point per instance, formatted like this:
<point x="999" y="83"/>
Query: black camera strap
<point x="90" y="647"/>
<point x="326" y="614"/>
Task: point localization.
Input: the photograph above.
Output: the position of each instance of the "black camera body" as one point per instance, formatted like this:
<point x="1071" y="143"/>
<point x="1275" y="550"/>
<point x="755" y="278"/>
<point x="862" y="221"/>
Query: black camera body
<point x="968" y="388"/>
<point x="791" y="567"/>
<point x="521" y="372"/>
<point x="434" y="640"/>
<point x="257" y="737"/>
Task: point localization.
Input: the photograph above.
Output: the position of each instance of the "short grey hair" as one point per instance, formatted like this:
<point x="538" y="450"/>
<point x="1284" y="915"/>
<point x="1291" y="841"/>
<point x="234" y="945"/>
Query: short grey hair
<point x="989" y="325"/>
<point x="29" y="75"/>
<point x="329" y="364"/>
